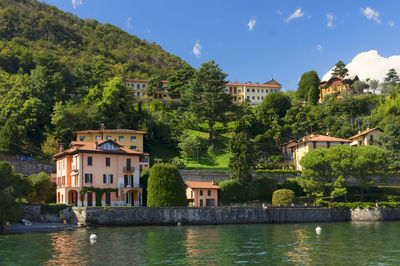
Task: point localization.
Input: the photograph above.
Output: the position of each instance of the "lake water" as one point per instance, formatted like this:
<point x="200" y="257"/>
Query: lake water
<point x="273" y="244"/>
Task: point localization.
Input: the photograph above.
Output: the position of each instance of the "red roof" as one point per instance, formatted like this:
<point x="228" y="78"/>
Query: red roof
<point x="323" y="138"/>
<point x="91" y="147"/>
<point x="111" y="131"/>
<point x="201" y="184"/>
<point x="253" y="85"/>
<point x="365" y="132"/>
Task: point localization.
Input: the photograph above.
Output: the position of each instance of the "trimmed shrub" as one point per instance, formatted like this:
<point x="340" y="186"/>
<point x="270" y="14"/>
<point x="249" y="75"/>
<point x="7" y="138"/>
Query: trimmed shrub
<point x="261" y="189"/>
<point x="278" y="171"/>
<point x="283" y="197"/>
<point x="232" y="191"/>
<point x="165" y="186"/>
<point x="178" y="162"/>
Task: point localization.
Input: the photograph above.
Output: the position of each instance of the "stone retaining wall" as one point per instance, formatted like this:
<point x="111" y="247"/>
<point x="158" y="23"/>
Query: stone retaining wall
<point x="125" y="216"/>
<point x="30" y="168"/>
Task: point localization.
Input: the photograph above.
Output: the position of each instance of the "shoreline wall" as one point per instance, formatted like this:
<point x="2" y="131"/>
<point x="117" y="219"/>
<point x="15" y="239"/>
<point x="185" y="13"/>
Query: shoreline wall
<point x="133" y="216"/>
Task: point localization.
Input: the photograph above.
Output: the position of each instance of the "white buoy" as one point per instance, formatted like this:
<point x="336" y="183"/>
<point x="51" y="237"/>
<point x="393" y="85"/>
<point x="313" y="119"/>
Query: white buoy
<point x="93" y="237"/>
<point x="318" y="230"/>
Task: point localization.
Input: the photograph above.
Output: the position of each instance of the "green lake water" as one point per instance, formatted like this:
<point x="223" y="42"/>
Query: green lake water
<point x="272" y="244"/>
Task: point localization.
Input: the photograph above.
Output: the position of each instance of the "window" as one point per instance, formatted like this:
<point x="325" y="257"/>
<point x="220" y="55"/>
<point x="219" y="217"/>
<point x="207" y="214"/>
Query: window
<point x="88" y="178"/>
<point x="314" y="144"/>
<point x="258" y="90"/>
<point x="98" y="138"/>
<point x="328" y="144"/>
<point x="252" y="90"/>
<point x="142" y="93"/>
<point x="132" y="148"/>
<point x="82" y="138"/>
<point x="252" y="97"/>
<point x="107" y="179"/>
<point x="133" y="138"/>
<point x="108" y="161"/>
<point x="262" y="90"/>
<point x="138" y="86"/>
<point x="89" y="160"/>
<point x="63" y="180"/>
<point x="63" y="163"/>
<point x="226" y="90"/>
<point x="121" y="138"/>
<point x="108" y="146"/>
<point x="266" y="91"/>
<point x="201" y="192"/>
<point x="248" y="97"/>
<point x="248" y="90"/>
<point x="144" y="86"/>
<point x="201" y="203"/>
<point x="258" y="97"/>
<point x="262" y="97"/>
<point x="128" y="164"/>
<point x="137" y="94"/>
<point x="239" y="90"/>
<point x="128" y="180"/>
<point x="208" y="192"/>
<point x="108" y="137"/>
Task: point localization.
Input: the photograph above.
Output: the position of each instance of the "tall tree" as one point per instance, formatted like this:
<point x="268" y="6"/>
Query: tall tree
<point x="241" y="157"/>
<point x="276" y="102"/>
<point x="340" y="70"/>
<point x="392" y="78"/>
<point x="179" y="81"/>
<point x="154" y="84"/>
<point x="205" y="96"/>
<point x="308" y="81"/>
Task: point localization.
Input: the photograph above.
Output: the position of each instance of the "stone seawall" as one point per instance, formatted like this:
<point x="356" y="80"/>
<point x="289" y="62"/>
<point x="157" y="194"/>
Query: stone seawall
<point x="30" y="168"/>
<point x="126" y="216"/>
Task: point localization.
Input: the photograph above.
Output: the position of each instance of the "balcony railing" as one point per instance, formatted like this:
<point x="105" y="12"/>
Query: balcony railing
<point x="128" y="169"/>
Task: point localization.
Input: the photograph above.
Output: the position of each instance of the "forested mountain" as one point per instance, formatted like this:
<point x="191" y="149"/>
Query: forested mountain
<point x="56" y="66"/>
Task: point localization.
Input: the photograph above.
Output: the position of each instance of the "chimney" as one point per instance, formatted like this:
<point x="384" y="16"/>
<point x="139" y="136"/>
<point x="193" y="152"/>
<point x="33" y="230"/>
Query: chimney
<point x="102" y="126"/>
<point x="328" y="133"/>
<point x="96" y="144"/>
<point x="61" y="148"/>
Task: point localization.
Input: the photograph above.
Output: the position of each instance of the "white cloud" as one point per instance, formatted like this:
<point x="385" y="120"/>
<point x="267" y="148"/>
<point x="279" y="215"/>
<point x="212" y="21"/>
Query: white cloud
<point x="319" y="48"/>
<point x="371" y="14"/>
<point x="197" y="48"/>
<point x="391" y="23"/>
<point x="252" y="23"/>
<point x="329" y="17"/>
<point x="278" y="12"/>
<point x="76" y="3"/>
<point x="296" y="14"/>
<point x="128" y="22"/>
<point x="370" y="65"/>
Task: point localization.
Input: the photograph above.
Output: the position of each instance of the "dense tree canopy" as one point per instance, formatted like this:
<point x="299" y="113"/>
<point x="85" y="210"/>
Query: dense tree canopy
<point x="309" y="81"/>
<point x="340" y="69"/>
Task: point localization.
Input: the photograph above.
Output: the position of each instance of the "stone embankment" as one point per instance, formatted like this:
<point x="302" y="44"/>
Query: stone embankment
<point x="26" y="167"/>
<point x="125" y="216"/>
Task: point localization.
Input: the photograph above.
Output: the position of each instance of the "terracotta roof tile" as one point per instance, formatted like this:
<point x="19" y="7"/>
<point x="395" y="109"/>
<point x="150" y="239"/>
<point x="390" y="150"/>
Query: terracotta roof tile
<point x="111" y="131"/>
<point x="365" y="132"/>
<point x="253" y="85"/>
<point x="200" y="184"/>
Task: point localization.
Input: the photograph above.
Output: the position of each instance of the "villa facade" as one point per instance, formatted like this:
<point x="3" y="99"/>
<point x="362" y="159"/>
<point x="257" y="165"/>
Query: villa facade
<point x="366" y="137"/>
<point x="253" y="92"/>
<point x="202" y="194"/>
<point x="101" y="172"/>
<point x="335" y="86"/>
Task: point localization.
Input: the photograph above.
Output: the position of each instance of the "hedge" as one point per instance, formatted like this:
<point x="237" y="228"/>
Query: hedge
<point x="232" y="191"/>
<point x="283" y="197"/>
<point x="364" y="205"/>
<point x="165" y="186"/>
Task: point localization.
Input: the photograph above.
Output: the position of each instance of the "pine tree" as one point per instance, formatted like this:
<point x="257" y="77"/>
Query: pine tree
<point x="340" y="70"/>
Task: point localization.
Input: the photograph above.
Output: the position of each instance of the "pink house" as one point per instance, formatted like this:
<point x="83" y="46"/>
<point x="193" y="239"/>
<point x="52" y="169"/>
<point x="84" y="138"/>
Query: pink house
<point x="202" y="194"/>
<point x="102" y="167"/>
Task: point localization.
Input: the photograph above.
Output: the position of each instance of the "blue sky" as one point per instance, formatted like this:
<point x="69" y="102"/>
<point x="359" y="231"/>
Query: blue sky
<point x="255" y="40"/>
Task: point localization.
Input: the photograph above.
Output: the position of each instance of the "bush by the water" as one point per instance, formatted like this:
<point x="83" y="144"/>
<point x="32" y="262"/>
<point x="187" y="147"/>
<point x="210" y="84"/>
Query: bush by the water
<point x="283" y="197"/>
<point x="232" y="191"/>
<point x="364" y="205"/>
<point x="165" y="186"/>
<point x="261" y="189"/>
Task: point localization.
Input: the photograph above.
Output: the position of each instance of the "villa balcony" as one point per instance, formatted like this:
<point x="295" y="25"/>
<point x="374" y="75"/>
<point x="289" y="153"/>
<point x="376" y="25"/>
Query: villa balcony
<point x="128" y="169"/>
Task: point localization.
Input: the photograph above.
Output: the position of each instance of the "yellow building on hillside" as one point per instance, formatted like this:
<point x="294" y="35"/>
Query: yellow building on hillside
<point x="253" y="92"/>
<point x="138" y="87"/>
<point x="313" y="142"/>
<point x="335" y="86"/>
<point x="128" y="138"/>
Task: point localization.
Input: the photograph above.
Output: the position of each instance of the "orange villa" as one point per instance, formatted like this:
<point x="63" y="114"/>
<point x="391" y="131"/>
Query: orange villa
<point x="101" y="166"/>
<point x="202" y="194"/>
